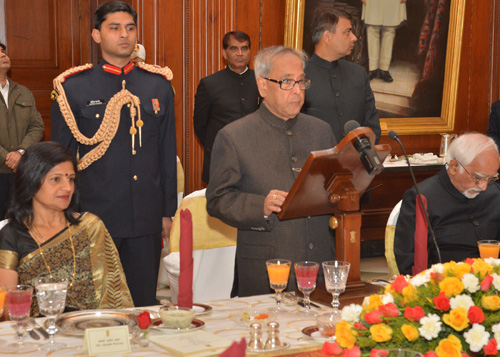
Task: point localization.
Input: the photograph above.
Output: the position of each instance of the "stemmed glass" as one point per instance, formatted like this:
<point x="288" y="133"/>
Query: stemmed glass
<point x="278" y="271"/>
<point x="306" y="273"/>
<point x="19" y="304"/>
<point x="51" y="296"/>
<point x="3" y="292"/>
<point x="336" y="273"/>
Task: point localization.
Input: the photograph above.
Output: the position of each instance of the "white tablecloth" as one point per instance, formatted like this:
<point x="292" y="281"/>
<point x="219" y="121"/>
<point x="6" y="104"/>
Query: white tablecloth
<point x="219" y="321"/>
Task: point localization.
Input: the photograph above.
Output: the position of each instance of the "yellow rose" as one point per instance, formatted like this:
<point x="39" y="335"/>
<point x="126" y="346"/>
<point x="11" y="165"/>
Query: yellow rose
<point x="449" y="347"/>
<point x="457" y="319"/>
<point x="491" y="303"/>
<point x="409" y="293"/>
<point x="448" y="268"/>
<point x="410" y="332"/>
<point x="451" y="286"/>
<point x="346" y="334"/>
<point x="461" y="269"/>
<point x="373" y="303"/>
<point x="381" y="332"/>
<point x="481" y="267"/>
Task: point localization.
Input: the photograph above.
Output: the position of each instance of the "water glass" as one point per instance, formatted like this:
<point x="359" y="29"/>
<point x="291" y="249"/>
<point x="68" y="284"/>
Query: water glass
<point x="336" y="273"/>
<point x="51" y="297"/>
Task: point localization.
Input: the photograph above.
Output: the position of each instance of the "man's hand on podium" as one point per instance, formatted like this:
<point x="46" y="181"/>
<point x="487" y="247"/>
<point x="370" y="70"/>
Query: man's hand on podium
<point x="273" y="201"/>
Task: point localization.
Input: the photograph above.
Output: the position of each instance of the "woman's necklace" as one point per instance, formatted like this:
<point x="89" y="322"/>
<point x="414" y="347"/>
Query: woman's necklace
<point x="37" y="236"/>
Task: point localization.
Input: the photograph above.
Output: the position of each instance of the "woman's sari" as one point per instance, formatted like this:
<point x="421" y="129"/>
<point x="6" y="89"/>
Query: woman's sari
<point x="99" y="281"/>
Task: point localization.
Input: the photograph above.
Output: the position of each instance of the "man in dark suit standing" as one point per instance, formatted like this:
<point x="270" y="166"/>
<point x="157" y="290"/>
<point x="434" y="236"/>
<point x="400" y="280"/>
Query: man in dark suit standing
<point x="255" y="162"/>
<point x="132" y="187"/>
<point x="340" y="90"/>
<point x="226" y="95"/>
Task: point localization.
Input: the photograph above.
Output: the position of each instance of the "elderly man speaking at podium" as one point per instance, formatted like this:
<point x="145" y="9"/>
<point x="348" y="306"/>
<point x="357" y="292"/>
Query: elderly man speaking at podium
<point x="255" y="161"/>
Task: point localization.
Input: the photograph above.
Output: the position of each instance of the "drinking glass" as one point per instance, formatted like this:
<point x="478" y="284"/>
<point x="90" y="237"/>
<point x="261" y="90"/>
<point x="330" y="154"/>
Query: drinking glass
<point x="488" y="248"/>
<point x="51" y="296"/>
<point x="3" y="292"/>
<point x="19" y="303"/>
<point x="336" y="273"/>
<point x="306" y="273"/>
<point x="278" y="271"/>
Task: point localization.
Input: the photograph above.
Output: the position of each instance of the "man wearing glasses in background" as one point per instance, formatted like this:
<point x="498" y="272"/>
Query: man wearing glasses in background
<point x="255" y="161"/>
<point x="463" y="202"/>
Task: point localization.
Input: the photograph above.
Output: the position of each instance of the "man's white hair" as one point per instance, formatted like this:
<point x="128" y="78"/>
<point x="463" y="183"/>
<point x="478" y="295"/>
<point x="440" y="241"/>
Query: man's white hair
<point x="468" y="146"/>
<point x="263" y="62"/>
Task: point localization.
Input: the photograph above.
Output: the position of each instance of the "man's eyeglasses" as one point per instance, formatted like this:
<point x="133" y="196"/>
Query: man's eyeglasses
<point x="478" y="180"/>
<point x="288" y="84"/>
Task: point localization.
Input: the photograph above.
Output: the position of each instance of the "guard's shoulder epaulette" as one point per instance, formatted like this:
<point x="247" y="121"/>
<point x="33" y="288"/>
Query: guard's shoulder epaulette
<point x="65" y="75"/>
<point x="164" y="71"/>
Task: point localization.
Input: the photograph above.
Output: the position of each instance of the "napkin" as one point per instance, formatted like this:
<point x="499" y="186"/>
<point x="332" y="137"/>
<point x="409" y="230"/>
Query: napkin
<point x="185" y="297"/>
<point x="237" y="349"/>
<point x="421" y="232"/>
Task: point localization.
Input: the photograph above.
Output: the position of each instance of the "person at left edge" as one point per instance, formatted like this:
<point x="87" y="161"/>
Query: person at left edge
<point x="132" y="188"/>
<point x="20" y="127"/>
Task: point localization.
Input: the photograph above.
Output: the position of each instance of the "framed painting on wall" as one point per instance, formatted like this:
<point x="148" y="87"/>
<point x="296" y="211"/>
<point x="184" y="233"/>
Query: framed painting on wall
<point x="425" y="62"/>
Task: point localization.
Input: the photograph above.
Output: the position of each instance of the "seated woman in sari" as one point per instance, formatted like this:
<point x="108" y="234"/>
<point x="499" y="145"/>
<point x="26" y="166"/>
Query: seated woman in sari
<point x="45" y="236"/>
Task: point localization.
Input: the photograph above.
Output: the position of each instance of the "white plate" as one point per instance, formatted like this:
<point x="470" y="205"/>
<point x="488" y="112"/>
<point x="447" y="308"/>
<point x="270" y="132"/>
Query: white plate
<point x="195" y="325"/>
<point x="200" y="309"/>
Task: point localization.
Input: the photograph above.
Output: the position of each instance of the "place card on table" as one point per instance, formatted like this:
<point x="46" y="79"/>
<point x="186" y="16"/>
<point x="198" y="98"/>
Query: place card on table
<point x="196" y="343"/>
<point x="104" y="340"/>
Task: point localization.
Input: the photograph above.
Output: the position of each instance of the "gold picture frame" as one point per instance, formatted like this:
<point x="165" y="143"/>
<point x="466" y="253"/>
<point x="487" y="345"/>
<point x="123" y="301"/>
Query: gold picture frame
<point x="294" y="29"/>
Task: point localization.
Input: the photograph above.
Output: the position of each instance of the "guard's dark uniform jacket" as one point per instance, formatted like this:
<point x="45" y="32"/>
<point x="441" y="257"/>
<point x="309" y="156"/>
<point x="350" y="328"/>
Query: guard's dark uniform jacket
<point x="130" y="193"/>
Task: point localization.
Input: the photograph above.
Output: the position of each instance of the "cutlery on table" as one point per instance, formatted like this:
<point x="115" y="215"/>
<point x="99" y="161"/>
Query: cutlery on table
<point x="32" y="333"/>
<point x="38" y="328"/>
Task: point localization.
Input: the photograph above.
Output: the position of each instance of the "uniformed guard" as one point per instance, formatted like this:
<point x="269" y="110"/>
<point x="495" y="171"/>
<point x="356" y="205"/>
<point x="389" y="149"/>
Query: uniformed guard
<point x="119" y="120"/>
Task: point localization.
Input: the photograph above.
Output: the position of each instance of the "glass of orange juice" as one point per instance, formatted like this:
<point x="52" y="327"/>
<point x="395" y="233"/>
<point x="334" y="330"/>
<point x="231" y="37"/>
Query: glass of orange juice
<point x="488" y="248"/>
<point x="278" y="271"/>
<point x="3" y="292"/>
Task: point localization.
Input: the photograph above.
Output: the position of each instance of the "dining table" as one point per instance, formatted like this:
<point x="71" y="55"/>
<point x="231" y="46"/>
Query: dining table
<point x="224" y="318"/>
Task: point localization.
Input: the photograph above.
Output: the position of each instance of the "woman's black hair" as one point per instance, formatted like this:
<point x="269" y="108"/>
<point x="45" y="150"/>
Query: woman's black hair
<point x="33" y="166"/>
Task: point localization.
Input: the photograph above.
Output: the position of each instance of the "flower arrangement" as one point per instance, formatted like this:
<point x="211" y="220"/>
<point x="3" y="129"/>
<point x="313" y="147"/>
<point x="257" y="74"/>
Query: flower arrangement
<point x="144" y="322"/>
<point x="451" y="309"/>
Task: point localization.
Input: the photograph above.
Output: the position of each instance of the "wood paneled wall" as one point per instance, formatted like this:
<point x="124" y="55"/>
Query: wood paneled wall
<point x="45" y="37"/>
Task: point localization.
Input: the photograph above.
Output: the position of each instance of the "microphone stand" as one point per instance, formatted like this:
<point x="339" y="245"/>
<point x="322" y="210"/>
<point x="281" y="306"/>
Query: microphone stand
<point x="394" y="136"/>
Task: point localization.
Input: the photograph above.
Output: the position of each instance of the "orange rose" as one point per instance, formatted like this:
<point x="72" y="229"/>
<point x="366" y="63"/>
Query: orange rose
<point x="410" y="332"/>
<point x="346" y="335"/>
<point x="399" y="283"/>
<point x="449" y="347"/>
<point x="491" y="303"/>
<point x="451" y="286"/>
<point x="381" y="332"/>
<point x="457" y="319"/>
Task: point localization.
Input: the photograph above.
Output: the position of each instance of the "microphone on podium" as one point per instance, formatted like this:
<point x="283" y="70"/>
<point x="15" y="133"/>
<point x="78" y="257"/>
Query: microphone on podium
<point x="394" y="136"/>
<point x="368" y="156"/>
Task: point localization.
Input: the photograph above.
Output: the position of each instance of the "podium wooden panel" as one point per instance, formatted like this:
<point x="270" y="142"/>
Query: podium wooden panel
<point x="331" y="182"/>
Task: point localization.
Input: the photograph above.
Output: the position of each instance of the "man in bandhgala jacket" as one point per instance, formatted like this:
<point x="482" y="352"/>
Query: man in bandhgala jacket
<point x="340" y="90"/>
<point x="132" y="187"/>
<point x="462" y="201"/>
<point x="20" y="127"/>
<point x="256" y="160"/>
<point x="225" y="96"/>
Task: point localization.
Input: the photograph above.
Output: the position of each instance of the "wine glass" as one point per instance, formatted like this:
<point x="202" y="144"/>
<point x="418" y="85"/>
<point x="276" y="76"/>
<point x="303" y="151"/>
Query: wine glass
<point x="3" y="292"/>
<point x="19" y="303"/>
<point x="51" y="296"/>
<point x="306" y="273"/>
<point x="278" y="271"/>
<point x="336" y="273"/>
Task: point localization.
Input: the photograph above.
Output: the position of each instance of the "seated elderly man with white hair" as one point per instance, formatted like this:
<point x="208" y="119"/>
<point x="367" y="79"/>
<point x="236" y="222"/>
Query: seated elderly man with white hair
<point x="463" y="202"/>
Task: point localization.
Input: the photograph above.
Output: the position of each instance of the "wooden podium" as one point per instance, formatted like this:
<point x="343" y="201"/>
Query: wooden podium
<point x="331" y="182"/>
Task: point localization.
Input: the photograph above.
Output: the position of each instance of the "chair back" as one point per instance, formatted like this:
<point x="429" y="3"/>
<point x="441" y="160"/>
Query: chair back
<point x="214" y="249"/>
<point x="390" y="230"/>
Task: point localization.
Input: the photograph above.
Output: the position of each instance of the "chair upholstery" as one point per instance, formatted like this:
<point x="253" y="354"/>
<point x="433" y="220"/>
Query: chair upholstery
<point x="214" y="249"/>
<point x="162" y="274"/>
<point x="390" y="230"/>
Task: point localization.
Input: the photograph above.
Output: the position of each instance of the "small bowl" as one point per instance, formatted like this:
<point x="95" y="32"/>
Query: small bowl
<point x="326" y="324"/>
<point x="248" y="317"/>
<point x="176" y="317"/>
